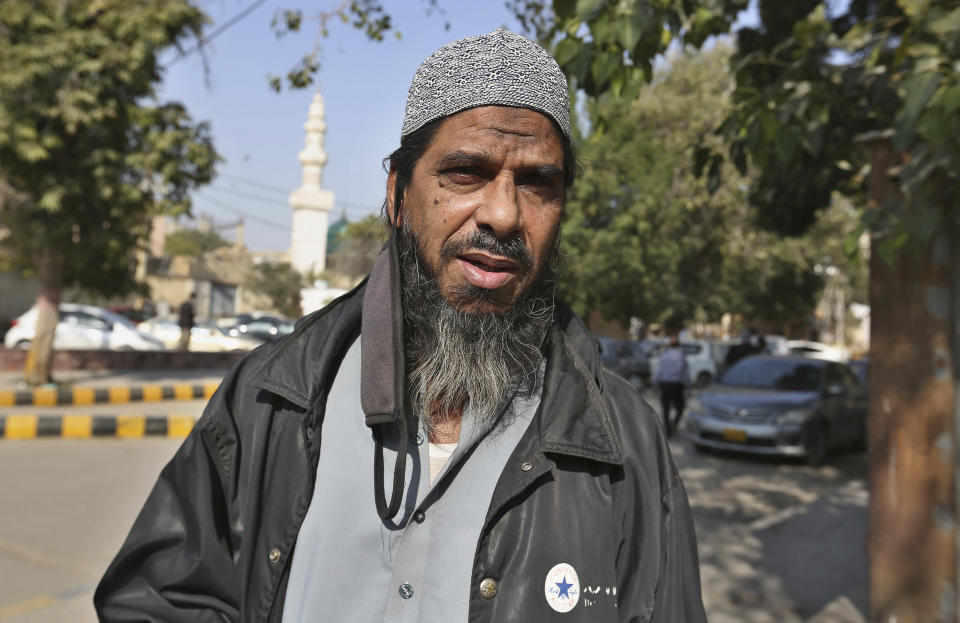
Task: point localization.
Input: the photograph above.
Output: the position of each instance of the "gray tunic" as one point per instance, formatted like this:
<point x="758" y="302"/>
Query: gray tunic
<point x="348" y="565"/>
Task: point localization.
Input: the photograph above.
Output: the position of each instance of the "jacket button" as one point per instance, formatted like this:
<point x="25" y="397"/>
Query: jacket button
<point x="311" y="433"/>
<point x="488" y="588"/>
<point x="526" y="466"/>
<point x="274" y="556"/>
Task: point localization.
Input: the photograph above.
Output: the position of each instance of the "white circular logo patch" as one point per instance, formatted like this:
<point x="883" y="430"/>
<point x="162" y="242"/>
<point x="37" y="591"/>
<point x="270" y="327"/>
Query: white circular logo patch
<point x="562" y="588"/>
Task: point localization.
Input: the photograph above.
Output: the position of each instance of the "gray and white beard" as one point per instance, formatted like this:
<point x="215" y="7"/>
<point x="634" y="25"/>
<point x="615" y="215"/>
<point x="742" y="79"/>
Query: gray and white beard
<point x="456" y="355"/>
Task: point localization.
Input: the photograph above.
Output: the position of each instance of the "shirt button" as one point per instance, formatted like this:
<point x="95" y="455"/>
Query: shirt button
<point x="526" y="466"/>
<point x="419" y="439"/>
<point x="406" y="591"/>
<point x="418" y="516"/>
<point x="274" y="556"/>
<point x="488" y="588"/>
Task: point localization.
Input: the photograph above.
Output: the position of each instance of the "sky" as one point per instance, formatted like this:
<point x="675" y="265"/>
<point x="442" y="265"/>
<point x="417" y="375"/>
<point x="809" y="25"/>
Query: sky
<point x="259" y="132"/>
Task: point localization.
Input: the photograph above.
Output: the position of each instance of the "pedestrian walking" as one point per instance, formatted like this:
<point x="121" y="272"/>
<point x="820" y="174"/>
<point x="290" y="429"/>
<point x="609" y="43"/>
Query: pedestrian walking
<point x="186" y="321"/>
<point x="672" y="379"/>
<point x="514" y="477"/>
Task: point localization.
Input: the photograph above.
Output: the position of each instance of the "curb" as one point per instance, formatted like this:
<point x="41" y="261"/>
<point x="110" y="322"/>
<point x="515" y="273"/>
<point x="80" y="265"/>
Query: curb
<point x="31" y="426"/>
<point x="118" y="394"/>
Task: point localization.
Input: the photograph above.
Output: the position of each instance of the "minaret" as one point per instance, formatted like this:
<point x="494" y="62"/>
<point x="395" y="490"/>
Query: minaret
<point x="310" y="203"/>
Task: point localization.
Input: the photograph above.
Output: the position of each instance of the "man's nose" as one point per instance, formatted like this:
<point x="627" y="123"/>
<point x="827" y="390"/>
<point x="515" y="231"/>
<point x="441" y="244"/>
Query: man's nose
<point x="500" y="210"/>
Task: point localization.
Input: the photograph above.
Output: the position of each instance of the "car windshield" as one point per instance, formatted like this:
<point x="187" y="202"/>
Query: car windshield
<point x="783" y="374"/>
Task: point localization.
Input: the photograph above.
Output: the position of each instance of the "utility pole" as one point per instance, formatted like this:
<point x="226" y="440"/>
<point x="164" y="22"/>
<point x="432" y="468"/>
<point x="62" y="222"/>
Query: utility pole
<point x="914" y="408"/>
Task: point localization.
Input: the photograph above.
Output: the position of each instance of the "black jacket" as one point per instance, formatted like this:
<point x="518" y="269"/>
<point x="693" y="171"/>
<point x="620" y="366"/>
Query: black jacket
<point x="215" y="537"/>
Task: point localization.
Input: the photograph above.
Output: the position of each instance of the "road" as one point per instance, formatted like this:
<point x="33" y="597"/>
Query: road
<point x="778" y="542"/>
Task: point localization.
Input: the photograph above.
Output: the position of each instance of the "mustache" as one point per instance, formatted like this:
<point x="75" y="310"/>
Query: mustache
<point x="482" y="240"/>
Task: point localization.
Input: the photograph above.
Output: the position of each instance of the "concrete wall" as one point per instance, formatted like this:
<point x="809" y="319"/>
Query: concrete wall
<point x="12" y="360"/>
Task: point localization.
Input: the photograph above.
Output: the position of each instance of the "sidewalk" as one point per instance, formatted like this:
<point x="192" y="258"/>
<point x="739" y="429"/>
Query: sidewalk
<point x="114" y="378"/>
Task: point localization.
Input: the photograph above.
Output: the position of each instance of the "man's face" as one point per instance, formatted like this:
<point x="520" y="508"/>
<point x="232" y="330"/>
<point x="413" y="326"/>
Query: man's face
<point x="485" y="202"/>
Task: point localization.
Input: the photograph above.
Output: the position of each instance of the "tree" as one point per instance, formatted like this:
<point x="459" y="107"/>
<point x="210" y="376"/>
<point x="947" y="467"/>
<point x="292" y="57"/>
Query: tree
<point x="643" y="236"/>
<point x="360" y="243"/>
<point x="815" y="82"/>
<point x="281" y="283"/>
<point x="194" y="242"/>
<point x="87" y="153"/>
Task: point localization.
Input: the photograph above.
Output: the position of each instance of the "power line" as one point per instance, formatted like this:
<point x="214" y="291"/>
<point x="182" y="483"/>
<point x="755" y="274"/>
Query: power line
<point x="219" y="30"/>
<point x="244" y="213"/>
<point x="249" y="182"/>
<point x="246" y="195"/>
<point x="243" y="180"/>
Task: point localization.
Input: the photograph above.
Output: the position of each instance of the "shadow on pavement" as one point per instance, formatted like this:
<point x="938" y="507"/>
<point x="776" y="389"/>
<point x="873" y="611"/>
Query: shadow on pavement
<point x="779" y="541"/>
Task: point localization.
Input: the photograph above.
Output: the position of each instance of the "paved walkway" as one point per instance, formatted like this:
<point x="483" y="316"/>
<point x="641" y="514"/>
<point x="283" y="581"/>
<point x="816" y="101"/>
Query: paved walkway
<point x="113" y="378"/>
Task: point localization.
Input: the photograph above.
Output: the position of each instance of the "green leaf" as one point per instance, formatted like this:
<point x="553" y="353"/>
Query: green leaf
<point x="948" y="24"/>
<point x="566" y="50"/>
<point x="588" y="9"/>
<point x="603" y="66"/>
<point x="629" y="30"/>
<point x="951" y="99"/>
<point x="918" y="88"/>
<point x="564" y="9"/>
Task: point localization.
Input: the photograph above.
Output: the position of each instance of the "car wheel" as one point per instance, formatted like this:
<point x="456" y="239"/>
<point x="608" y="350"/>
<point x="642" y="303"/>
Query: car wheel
<point x="699" y="448"/>
<point x="703" y="379"/>
<point x="816" y="445"/>
<point x="637" y="381"/>
<point x="23" y="344"/>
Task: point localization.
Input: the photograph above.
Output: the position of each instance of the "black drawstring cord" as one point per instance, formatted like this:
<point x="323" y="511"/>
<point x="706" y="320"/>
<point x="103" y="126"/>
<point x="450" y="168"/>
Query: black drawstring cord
<point x="399" y="472"/>
<point x="400" y="466"/>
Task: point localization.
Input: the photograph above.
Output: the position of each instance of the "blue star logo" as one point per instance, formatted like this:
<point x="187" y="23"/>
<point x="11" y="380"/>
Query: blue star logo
<point x="564" y="587"/>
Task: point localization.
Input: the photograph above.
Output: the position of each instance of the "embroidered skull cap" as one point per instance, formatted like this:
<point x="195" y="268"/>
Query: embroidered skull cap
<point x="499" y="68"/>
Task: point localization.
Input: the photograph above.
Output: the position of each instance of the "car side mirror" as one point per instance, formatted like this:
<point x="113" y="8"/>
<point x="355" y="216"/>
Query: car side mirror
<point x="836" y="390"/>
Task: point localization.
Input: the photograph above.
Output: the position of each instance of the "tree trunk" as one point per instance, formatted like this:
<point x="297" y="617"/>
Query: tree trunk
<point x="39" y="362"/>
<point x="913" y="520"/>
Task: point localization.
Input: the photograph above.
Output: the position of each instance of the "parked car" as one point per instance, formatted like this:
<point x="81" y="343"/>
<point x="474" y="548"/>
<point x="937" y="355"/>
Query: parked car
<point x="626" y="358"/>
<point x="205" y="336"/>
<point x="700" y="360"/>
<point x="263" y="327"/>
<point x="83" y="327"/>
<point x="789" y="406"/>
<point x="817" y="350"/>
<point x="860" y="367"/>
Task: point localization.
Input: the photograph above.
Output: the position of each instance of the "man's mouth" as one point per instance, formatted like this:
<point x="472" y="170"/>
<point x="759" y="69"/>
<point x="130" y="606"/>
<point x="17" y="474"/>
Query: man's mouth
<point x="487" y="271"/>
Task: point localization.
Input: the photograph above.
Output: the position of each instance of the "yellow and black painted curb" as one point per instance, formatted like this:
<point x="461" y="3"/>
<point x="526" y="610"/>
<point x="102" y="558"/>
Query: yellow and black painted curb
<point x="30" y="426"/>
<point x="118" y="394"/>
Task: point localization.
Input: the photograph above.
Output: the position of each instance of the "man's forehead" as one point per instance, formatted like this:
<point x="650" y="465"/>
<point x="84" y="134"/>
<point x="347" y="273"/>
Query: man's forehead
<point x="527" y="126"/>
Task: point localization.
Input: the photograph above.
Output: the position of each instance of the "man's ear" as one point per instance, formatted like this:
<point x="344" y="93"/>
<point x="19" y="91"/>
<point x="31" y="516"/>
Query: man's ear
<point x="391" y="195"/>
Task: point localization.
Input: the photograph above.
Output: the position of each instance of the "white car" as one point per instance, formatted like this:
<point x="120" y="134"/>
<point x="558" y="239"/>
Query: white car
<point x="204" y="336"/>
<point x="83" y="327"/>
<point x="700" y="363"/>
<point x="816" y="350"/>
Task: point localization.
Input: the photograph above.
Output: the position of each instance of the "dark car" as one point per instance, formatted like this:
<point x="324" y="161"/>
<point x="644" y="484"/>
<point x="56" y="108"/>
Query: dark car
<point x="265" y="328"/>
<point x="788" y="406"/>
<point x="626" y="358"/>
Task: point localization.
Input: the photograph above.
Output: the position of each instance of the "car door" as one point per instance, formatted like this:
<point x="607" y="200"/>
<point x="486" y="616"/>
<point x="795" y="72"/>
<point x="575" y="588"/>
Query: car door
<point x="856" y="404"/>
<point x="834" y="399"/>
<point x="95" y="330"/>
<point x="69" y="335"/>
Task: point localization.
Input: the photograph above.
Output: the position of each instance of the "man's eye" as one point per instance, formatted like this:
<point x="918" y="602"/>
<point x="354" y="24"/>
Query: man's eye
<point x="463" y="175"/>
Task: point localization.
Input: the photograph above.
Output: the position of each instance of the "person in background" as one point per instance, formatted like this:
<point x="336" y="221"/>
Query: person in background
<point x="186" y="321"/>
<point x="672" y="378"/>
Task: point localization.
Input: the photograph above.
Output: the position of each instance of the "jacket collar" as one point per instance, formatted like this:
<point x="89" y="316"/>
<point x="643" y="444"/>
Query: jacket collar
<point x="574" y="416"/>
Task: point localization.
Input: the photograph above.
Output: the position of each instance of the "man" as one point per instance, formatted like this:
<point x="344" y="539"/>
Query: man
<point x="514" y="478"/>
<point x="672" y="378"/>
<point x="186" y="321"/>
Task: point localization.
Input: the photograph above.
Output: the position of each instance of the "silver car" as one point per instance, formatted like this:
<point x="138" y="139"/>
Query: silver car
<point x="788" y="406"/>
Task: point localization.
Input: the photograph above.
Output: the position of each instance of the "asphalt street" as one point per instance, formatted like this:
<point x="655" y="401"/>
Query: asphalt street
<point x="779" y="541"/>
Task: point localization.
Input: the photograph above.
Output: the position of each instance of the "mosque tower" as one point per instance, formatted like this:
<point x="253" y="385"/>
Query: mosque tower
<point x="310" y="203"/>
